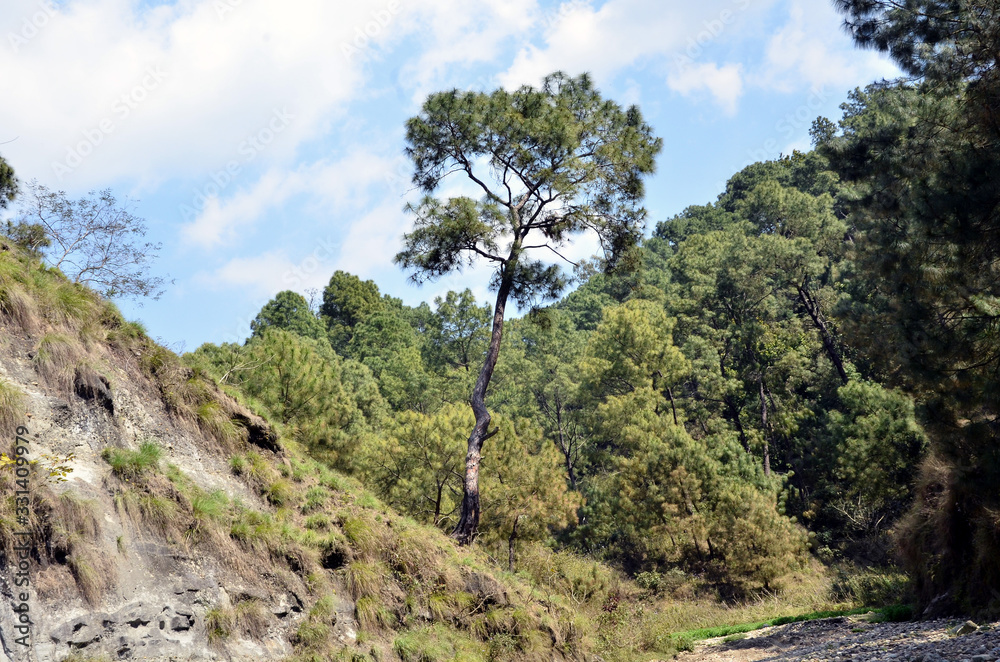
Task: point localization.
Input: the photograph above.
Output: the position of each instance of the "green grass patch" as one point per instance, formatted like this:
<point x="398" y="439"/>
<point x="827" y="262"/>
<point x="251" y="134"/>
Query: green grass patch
<point x="131" y="465"/>
<point x="211" y="506"/>
<point x="438" y="644"/>
<point x="894" y="613"/>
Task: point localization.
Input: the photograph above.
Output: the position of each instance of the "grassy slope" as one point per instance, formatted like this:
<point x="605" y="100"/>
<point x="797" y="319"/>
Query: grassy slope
<point x="417" y="595"/>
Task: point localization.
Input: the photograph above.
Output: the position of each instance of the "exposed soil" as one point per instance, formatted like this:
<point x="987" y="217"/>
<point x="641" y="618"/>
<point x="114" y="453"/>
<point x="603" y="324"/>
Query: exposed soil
<point x="854" y="639"/>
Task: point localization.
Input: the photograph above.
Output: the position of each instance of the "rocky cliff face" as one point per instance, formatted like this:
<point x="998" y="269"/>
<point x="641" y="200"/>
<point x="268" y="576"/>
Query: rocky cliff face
<point x="106" y="578"/>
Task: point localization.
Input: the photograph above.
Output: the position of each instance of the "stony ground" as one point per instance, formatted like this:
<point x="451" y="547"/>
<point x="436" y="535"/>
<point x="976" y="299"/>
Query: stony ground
<point x="855" y="639"/>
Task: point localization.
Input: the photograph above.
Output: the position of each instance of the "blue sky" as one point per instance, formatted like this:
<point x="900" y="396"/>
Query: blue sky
<point x="263" y="141"/>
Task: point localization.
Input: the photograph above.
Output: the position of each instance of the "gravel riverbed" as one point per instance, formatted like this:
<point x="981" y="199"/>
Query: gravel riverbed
<point x="855" y="639"/>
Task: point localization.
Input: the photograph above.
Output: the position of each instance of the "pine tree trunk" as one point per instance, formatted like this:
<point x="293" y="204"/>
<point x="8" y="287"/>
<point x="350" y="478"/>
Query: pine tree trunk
<point x="812" y="307"/>
<point x="468" y="523"/>
<point x="510" y="545"/>
<point x="564" y="447"/>
<point x="673" y="406"/>
<point x="766" y="428"/>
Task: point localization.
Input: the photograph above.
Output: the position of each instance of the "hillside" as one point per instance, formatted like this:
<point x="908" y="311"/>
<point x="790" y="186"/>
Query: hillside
<point x="186" y="529"/>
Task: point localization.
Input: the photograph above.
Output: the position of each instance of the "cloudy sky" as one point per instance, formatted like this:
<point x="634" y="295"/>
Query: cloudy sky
<point x="263" y="140"/>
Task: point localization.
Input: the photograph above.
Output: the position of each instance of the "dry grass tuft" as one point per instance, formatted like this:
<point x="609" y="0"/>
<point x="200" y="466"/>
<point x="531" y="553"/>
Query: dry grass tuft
<point x="77" y="516"/>
<point x="372" y="615"/>
<point x="217" y="423"/>
<point x="362" y="535"/>
<point x="149" y="511"/>
<point x="366" y="578"/>
<point x="94" y="573"/>
<point x="17" y="304"/>
<point x="56" y="358"/>
<point x="12" y="408"/>
<point x="71" y="526"/>
<point x="251" y="619"/>
<point x="246" y="618"/>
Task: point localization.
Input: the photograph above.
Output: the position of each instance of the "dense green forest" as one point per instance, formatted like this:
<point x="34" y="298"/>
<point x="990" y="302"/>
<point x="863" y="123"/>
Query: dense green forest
<point x="805" y="367"/>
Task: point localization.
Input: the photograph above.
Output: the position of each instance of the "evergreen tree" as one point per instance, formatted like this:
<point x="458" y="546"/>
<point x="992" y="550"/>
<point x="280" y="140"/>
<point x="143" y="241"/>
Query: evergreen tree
<point x="347" y="301"/>
<point x="8" y="183"/>
<point x="289" y="311"/>
<point x="920" y="157"/>
<point x="558" y="160"/>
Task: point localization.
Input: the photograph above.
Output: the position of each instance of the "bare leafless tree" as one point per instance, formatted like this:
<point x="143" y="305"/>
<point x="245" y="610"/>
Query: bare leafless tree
<point x="94" y="240"/>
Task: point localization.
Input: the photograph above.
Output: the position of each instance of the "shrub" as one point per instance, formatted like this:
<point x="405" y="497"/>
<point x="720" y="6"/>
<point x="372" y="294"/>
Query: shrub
<point x="256" y="470"/>
<point x="870" y="587"/>
<point x="238" y="465"/>
<point x="246" y="617"/>
<point x="315" y="499"/>
<point x="211" y="506"/>
<point x="219" y="624"/>
<point x="280" y="492"/>
<point x="93" y="576"/>
<point x="312" y="634"/>
<point x="360" y="534"/>
<point x="149" y="510"/>
<point x="317" y="522"/>
<point x="437" y="643"/>
<point x="250" y="618"/>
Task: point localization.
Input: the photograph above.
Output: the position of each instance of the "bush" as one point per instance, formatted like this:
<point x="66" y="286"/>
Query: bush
<point x="210" y="507"/>
<point x="216" y="422"/>
<point x="755" y="543"/>
<point x="280" y="492"/>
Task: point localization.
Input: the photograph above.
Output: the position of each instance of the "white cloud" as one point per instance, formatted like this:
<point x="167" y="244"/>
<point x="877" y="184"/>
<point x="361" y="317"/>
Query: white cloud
<point x="364" y="247"/>
<point x="345" y="185"/>
<point x="219" y="221"/>
<point x="802" y="52"/>
<point x="259" y="275"/>
<point x="371" y="242"/>
<point x="620" y="33"/>
<point x="724" y="83"/>
<point x="453" y="35"/>
<point x="83" y="82"/>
